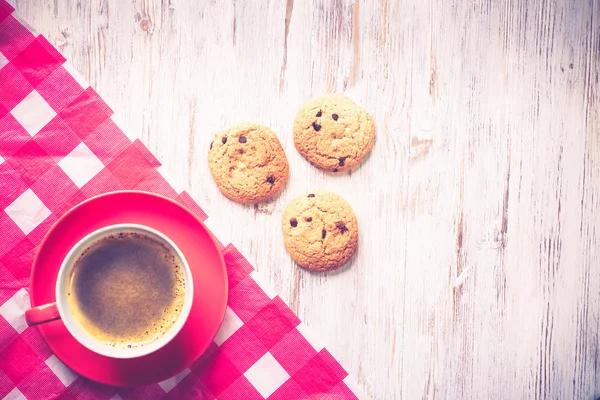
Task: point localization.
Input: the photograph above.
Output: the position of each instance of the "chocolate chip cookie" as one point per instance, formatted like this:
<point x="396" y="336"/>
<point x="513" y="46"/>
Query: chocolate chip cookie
<point x="248" y="163"/>
<point x="333" y="133"/>
<point x="320" y="231"/>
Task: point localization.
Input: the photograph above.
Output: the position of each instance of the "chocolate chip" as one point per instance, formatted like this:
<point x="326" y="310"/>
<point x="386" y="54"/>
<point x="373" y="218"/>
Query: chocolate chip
<point x="294" y="222"/>
<point x="316" y="126"/>
<point x="211" y="145"/>
<point x="341" y="226"/>
<point x="319" y="113"/>
<point x="224" y="139"/>
<point x="308" y="219"/>
<point x="271" y="179"/>
<point x="311" y="195"/>
<point x="242" y="139"/>
<point x="334" y="116"/>
<point x="335" y="170"/>
<point x="342" y="161"/>
<point x="323" y="233"/>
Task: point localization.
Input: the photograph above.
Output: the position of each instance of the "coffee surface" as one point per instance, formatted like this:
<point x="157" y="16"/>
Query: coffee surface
<point x="127" y="289"/>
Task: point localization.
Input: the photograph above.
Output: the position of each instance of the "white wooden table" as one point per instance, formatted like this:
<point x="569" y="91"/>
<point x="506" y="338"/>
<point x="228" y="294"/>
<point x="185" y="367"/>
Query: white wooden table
<point x="478" y="273"/>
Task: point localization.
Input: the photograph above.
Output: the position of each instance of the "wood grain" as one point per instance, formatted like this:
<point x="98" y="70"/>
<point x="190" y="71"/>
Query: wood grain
<point x="478" y="273"/>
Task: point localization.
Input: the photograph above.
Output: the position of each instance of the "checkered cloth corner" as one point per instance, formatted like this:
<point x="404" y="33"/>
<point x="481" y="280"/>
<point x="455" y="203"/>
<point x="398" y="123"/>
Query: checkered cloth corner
<point x="59" y="145"/>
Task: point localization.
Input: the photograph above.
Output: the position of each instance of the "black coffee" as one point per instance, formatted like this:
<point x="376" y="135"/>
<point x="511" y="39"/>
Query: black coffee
<point x="127" y="289"/>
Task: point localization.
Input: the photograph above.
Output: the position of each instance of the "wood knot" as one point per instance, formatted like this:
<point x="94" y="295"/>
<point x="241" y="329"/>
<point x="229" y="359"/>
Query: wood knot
<point x="145" y="25"/>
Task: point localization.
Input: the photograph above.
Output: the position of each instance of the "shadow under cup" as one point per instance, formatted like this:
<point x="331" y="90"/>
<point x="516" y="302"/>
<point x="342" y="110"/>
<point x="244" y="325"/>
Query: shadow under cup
<point x="124" y="291"/>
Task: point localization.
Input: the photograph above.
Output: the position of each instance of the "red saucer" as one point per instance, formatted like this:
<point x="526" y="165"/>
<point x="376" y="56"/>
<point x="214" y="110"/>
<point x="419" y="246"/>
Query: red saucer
<point x="201" y="251"/>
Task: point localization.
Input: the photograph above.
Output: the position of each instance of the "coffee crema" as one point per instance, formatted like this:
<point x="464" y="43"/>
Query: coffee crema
<point x="127" y="289"/>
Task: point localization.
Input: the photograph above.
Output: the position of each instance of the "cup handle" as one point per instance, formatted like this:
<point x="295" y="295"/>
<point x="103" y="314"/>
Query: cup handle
<point x="42" y="314"/>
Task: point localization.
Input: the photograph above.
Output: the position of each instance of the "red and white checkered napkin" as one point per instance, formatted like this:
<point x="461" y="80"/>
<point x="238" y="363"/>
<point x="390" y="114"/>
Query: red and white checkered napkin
<point x="59" y="146"/>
